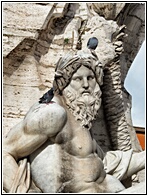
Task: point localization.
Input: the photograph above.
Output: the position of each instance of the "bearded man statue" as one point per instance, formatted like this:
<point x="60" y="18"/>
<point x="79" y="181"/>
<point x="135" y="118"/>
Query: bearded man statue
<point x="54" y="138"/>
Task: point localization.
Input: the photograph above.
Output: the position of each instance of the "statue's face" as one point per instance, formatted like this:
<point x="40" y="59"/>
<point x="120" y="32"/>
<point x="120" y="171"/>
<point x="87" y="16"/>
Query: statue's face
<point x="83" y="81"/>
<point x="83" y="96"/>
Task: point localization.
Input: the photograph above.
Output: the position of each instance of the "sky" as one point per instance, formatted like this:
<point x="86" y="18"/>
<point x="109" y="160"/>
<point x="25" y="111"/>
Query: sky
<point x="135" y="84"/>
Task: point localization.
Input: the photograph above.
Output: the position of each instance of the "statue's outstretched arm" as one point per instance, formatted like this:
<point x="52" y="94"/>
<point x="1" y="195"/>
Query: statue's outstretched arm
<point x="137" y="163"/>
<point x="123" y="164"/>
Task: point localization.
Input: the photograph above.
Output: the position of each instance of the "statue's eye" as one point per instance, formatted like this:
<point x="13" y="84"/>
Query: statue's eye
<point x="90" y="77"/>
<point x="77" y="79"/>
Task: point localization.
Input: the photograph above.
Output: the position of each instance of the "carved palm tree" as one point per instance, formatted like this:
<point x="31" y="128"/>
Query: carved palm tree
<point x="131" y="19"/>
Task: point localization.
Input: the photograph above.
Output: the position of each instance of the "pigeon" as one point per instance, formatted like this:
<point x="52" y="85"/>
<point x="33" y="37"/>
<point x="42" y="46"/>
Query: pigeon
<point x="47" y="97"/>
<point x="92" y="43"/>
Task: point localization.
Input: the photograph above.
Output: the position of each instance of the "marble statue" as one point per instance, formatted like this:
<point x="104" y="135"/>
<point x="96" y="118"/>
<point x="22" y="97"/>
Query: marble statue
<point x="52" y="150"/>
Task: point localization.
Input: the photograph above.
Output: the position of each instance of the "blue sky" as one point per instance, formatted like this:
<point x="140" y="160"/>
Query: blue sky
<point x="135" y="85"/>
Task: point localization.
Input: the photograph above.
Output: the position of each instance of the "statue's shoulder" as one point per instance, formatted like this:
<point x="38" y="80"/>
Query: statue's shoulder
<point x="45" y="118"/>
<point x="50" y="108"/>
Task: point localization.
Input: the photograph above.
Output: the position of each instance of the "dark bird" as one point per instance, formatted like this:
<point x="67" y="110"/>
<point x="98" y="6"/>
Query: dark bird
<point x="47" y="97"/>
<point x="92" y="43"/>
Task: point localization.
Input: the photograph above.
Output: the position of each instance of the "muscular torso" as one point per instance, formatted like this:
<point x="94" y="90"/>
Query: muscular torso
<point x="67" y="162"/>
<point x="62" y="154"/>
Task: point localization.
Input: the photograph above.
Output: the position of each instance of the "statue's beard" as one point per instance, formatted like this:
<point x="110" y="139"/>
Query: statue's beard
<point x="84" y="107"/>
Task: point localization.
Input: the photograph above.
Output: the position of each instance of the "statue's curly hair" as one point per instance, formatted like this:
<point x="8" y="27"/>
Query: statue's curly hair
<point x="70" y="63"/>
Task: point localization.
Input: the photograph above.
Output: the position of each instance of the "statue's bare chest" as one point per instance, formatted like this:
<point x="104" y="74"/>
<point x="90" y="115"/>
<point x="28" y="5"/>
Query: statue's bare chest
<point x="75" y="140"/>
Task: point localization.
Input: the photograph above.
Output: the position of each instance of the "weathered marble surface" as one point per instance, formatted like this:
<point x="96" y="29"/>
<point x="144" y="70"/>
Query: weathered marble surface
<point x="34" y="40"/>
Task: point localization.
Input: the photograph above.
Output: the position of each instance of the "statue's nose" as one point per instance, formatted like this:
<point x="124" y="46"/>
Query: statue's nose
<point x="85" y="83"/>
